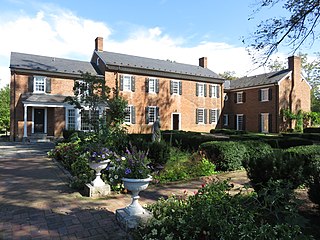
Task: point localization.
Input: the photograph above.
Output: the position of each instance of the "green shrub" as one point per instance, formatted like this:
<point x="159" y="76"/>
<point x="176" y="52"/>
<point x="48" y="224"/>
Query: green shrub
<point x="226" y="156"/>
<point x="81" y="172"/>
<point x="66" y="153"/>
<point x="255" y="149"/>
<point x="311" y="157"/>
<point x="159" y="153"/>
<point x="288" y="142"/>
<point x="212" y="213"/>
<point x="279" y="165"/>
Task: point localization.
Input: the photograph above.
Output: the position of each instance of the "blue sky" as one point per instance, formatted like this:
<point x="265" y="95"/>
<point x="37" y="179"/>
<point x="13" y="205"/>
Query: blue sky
<point x="179" y="30"/>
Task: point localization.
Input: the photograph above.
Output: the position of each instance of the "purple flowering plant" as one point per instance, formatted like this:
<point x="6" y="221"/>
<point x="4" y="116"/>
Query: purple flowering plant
<point x="133" y="163"/>
<point x="102" y="155"/>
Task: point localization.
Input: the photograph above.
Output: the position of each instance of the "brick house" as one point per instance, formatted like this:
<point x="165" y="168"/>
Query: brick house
<point x="186" y="97"/>
<point x="255" y="103"/>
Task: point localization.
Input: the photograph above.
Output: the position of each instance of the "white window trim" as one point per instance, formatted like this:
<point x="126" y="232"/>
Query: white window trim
<point x="130" y="115"/>
<point x="154" y="80"/>
<point x="44" y="84"/>
<point x="238" y="94"/>
<point x="239" y="115"/>
<point x="203" y="120"/>
<point x="267" y="92"/>
<point x="130" y="83"/>
<point x="214" y="90"/>
<point x="155" y="114"/>
<point x="178" y="87"/>
<point x="226" y="123"/>
<point x="201" y="85"/>
<point x="214" y="110"/>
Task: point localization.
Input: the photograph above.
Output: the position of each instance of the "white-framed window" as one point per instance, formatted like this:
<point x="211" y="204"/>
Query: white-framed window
<point x="239" y="97"/>
<point x="130" y="115"/>
<point x="201" y="116"/>
<point x="39" y="84"/>
<point x="240" y="122"/>
<point x="214" y="91"/>
<point x="214" y="116"/>
<point x="127" y="83"/>
<point x="71" y="119"/>
<point x="152" y="85"/>
<point x="264" y="95"/>
<point x="264" y="122"/>
<point x="201" y="90"/>
<point x="152" y="112"/>
<point x="175" y="87"/>
<point x="83" y="88"/>
<point x="225" y="119"/>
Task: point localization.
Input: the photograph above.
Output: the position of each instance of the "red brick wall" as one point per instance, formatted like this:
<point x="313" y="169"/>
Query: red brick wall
<point x="184" y="104"/>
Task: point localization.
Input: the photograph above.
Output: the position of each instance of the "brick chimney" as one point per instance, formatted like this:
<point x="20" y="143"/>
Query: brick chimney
<point x="99" y="44"/>
<point x="203" y="62"/>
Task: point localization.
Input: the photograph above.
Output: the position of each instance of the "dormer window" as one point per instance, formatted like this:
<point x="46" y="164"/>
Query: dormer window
<point x="39" y="84"/>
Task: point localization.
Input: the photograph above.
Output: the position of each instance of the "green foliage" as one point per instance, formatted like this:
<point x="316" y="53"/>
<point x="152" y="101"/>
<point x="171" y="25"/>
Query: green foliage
<point x="281" y="165"/>
<point x="182" y="166"/>
<point x="226" y="156"/>
<point x="212" y="213"/>
<point x="5" y="108"/>
<point x="159" y="153"/>
<point x="81" y="172"/>
<point x="67" y="153"/>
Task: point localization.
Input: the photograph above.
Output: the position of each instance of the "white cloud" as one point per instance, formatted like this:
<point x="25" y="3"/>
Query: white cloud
<point x="60" y="33"/>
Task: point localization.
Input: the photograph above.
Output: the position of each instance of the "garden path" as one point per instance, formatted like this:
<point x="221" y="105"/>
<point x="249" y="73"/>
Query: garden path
<point x="37" y="203"/>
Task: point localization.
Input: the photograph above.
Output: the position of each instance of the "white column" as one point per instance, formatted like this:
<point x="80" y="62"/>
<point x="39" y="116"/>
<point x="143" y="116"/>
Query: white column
<point x="45" y="120"/>
<point x="25" y="115"/>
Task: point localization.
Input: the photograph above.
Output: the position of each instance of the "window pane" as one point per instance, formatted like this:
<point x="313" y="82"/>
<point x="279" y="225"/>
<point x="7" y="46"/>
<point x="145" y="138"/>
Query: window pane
<point x="214" y="115"/>
<point x="152" y="114"/>
<point x="225" y="120"/>
<point x="239" y="122"/>
<point x="200" y="115"/>
<point x="175" y="87"/>
<point x="127" y="83"/>
<point x="239" y="97"/>
<point x="200" y="90"/>
<point x="152" y="88"/>
<point x="71" y="119"/>
<point x="265" y="122"/>
<point x="264" y="94"/>
<point x="127" y="118"/>
<point x="39" y="84"/>
<point x="214" y="90"/>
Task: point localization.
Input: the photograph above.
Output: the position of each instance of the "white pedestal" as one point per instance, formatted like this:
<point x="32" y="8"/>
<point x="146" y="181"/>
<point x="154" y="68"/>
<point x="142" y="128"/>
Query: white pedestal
<point x="128" y="222"/>
<point x="94" y="192"/>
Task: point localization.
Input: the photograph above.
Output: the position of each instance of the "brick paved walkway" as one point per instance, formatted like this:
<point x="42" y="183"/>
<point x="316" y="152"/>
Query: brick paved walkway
<point x="36" y="202"/>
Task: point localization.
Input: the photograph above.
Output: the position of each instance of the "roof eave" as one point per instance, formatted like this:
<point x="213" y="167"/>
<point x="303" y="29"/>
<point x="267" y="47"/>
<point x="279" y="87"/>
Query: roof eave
<point x="158" y="73"/>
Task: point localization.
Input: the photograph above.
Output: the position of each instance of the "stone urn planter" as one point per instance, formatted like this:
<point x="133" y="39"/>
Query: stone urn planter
<point x="135" y="186"/>
<point x="98" y="166"/>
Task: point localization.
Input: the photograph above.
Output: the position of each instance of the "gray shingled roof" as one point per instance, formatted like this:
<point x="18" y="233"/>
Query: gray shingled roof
<point x="258" y="80"/>
<point x="118" y="59"/>
<point x="43" y="98"/>
<point x="25" y="61"/>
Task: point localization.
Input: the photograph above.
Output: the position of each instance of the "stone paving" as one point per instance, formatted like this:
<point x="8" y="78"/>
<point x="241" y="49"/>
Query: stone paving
<point x="37" y="203"/>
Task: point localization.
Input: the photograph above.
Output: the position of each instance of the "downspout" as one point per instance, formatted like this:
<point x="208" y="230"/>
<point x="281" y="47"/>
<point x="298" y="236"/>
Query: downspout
<point x="14" y="107"/>
<point x="222" y="106"/>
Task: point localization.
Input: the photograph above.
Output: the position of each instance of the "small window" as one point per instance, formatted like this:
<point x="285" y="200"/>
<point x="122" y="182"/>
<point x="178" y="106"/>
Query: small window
<point x="152" y="85"/>
<point x="239" y="97"/>
<point x="201" y="116"/>
<point x="127" y="83"/>
<point x="89" y="120"/>
<point x="214" y="91"/>
<point x="225" y="120"/>
<point x="130" y="115"/>
<point x="175" y="87"/>
<point x="201" y="90"/>
<point x="71" y="119"/>
<point x="152" y="112"/>
<point x="39" y="84"/>
<point x="264" y="95"/>
<point x="214" y="116"/>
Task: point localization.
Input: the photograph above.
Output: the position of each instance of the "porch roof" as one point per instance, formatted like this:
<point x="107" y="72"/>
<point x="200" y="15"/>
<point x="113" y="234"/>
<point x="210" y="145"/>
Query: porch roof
<point x="44" y="99"/>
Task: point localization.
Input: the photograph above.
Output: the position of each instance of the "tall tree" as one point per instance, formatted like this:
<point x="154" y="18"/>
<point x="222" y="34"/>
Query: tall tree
<point x="229" y="75"/>
<point x="300" y="27"/>
<point x="5" y="109"/>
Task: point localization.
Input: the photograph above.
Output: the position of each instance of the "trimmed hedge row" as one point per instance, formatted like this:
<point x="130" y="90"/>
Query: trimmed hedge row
<point x="311" y="130"/>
